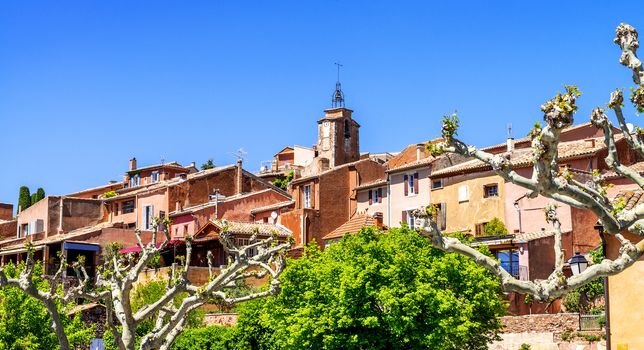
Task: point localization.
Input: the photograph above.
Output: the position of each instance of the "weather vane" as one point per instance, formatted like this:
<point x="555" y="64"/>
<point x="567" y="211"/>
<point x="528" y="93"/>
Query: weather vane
<point x="338" y="96"/>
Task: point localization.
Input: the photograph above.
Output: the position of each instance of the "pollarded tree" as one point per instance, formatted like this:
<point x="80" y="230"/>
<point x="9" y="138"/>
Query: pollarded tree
<point x="116" y="279"/>
<point x="547" y="180"/>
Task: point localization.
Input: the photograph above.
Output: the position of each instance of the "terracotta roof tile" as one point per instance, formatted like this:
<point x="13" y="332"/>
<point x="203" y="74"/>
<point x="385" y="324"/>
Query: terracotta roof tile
<point x="523" y="157"/>
<point x="611" y="174"/>
<point x="631" y="198"/>
<point x="353" y="225"/>
<point x="376" y="183"/>
<point x="272" y="207"/>
<point x="236" y="227"/>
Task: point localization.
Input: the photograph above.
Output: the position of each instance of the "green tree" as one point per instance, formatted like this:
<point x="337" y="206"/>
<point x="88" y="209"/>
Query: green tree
<point x="24" y="199"/>
<point x="283" y="181"/>
<point x="495" y="227"/>
<point x="377" y="290"/>
<point x="40" y="194"/>
<point x="23" y="318"/>
<point x="208" y="165"/>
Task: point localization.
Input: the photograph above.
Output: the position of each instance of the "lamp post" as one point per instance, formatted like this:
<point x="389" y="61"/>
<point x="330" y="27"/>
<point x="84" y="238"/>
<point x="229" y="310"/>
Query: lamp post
<point x="578" y="264"/>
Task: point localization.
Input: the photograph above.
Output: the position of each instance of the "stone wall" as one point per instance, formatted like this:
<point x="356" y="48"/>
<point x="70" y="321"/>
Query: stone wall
<point x="543" y="332"/>
<point x="540" y="323"/>
<point x="224" y="319"/>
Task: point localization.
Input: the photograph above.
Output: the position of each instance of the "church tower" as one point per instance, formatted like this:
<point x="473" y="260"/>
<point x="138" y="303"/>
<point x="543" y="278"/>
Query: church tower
<point x="338" y="134"/>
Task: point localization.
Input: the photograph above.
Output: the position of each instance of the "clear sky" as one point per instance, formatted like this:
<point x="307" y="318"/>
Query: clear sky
<point x="86" y="85"/>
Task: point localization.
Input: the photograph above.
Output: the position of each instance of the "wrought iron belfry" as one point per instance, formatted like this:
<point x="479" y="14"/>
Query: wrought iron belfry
<point x="338" y="96"/>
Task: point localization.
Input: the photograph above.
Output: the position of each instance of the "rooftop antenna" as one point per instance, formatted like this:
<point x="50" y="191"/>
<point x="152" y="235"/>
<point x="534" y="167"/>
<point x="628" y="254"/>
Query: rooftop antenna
<point x="338" y="96"/>
<point x="509" y="130"/>
<point x="162" y="160"/>
<point x="240" y="154"/>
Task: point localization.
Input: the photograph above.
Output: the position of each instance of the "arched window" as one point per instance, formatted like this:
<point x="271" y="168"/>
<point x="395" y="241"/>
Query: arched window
<point x="347" y="134"/>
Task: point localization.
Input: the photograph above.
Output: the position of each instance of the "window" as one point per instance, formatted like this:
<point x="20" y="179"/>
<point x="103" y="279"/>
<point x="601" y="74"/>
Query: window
<point x="441" y="216"/>
<point x="411" y="184"/>
<point x="509" y="260"/>
<point x="375" y="196"/>
<point x="480" y="229"/>
<point x="410" y="218"/>
<point x="154" y="177"/>
<point x="491" y="190"/>
<point x="242" y="242"/>
<point x="147" y="217"/>
<point x="306" y="196"/>
<point x="115" y="208"/>
<point x="162" y="225"/>
<point x="135" y="180"/>
<point x="185" y="230"/>
<point x="436" y="184"/>
<point x="463" y="194"/>
<point x="24" y="229"/>
<point x="127" y="207"/>
<point x="347" y="132"/>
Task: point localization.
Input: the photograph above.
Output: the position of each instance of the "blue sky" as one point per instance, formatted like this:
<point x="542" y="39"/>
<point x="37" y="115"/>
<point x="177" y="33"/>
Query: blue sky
<point x="86" y="85"/>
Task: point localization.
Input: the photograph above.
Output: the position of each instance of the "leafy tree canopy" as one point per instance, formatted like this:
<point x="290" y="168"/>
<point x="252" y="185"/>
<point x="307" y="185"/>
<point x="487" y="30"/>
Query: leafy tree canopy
<point x="376" y="290"/>
<point x="208" y="164"/>
<point x="283" y="181"/>
<point x="495" y="227"/>
<point x="24" y="320"/>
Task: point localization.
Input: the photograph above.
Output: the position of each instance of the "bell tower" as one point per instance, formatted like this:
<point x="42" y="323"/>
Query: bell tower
<point x="338" y="133"/>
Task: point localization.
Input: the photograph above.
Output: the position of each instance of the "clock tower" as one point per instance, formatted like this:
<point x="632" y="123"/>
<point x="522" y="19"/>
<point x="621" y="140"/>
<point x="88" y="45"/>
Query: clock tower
<point x="338" y="134"/>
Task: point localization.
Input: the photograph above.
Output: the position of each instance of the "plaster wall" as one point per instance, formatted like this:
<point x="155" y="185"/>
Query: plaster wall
<point x="400" y="202"/>
<point x="463" y="216"/>
<point x="363" y="205"/>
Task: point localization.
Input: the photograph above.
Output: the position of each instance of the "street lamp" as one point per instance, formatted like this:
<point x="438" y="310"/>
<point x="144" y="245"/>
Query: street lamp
<point x="578" y="264"/>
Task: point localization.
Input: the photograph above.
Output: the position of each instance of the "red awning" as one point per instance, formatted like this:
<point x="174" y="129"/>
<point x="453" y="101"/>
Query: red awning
<point x="137" y="249"/>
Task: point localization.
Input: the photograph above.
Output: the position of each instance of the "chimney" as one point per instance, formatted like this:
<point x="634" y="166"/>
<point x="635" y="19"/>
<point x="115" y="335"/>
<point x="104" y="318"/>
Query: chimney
<point x="132" y="164"/>
<point x="510" y="141"/>
<point x="510" y="144"/>
<point x="239" y="177"/>
<point x="193" y="164"/>
<point x="378" y="216"/>
<point x="419" y="153"/>
<point x="323" y="164"/>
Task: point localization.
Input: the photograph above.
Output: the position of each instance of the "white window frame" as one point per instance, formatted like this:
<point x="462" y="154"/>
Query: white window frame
<point x="411" y="191"/>
<point x="306" y="196"/>
<point x="135" y="180"/>
<point x="374" y="196"/>
<point x="410" y="218"/>
<point x="147" y="217"/>
<point x="154" y="176"/>
<point x="463" y="193"/>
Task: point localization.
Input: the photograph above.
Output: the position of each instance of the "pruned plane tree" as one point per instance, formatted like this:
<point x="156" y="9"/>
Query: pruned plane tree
<point x="548" y="180"/>
<point x="116" y="280"/>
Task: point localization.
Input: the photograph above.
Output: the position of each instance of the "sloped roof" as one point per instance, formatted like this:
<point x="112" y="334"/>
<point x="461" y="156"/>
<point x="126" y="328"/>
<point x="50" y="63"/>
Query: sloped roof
<point x="372" y="184"/>
<point x="631" y="198"/>
<point x="408" y="158"/>
<point x="239" y="227"/>
<point x="523" y="237"/>
<point x="639" y="167"/>
<point x="353" y="225"/>
<point x="523" y="157"/>
<point x="272" y="206"/>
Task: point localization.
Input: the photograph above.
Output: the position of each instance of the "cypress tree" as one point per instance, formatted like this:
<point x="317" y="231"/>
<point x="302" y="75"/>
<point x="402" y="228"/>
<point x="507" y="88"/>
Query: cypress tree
<point x="40" y="194"/>
<point x="24" y="200"/>
<point x="34" y="198"/>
